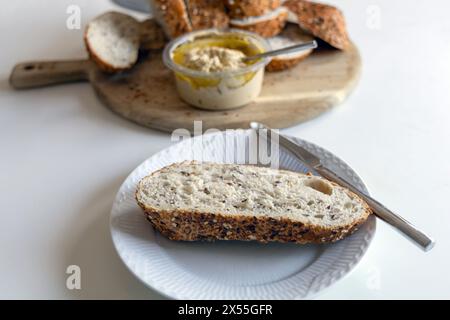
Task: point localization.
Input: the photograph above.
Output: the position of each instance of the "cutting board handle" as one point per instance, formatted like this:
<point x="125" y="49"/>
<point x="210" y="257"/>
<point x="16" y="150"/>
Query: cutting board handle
<point x="43" y="73"/>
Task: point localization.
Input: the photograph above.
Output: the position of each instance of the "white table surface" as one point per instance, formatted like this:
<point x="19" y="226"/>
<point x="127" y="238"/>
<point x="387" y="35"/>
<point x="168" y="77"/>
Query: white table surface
<point x="64" y="155"/>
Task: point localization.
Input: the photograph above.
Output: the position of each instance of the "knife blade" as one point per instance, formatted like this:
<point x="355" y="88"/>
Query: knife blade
<point x="314" y="163"/>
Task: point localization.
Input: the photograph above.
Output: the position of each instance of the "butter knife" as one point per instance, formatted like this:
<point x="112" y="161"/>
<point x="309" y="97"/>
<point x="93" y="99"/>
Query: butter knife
<point x="379" y="210"/>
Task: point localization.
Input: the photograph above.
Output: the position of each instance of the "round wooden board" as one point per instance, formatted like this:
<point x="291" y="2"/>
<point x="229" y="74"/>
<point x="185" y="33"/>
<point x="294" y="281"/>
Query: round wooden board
<point x="147" y="94"/>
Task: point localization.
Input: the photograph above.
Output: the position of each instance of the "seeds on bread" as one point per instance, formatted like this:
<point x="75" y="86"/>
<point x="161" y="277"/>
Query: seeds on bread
<point x="205" y="14"/>
<point x="323" y="21"/>
<point x="207" y="201"/>
<point x="172" y="16"/>
<point x="112" y="41"/>
<point x="238" y="9"/>
<point x="268" y="25"/>
<point x="178" y="17"/>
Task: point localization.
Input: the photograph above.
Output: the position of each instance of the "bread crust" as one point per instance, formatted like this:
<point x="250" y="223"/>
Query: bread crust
<point x="267" y="28"/>
<point x="207" y="14"/>
<point x="296" y="35"/>
<point x="102" y="64"/>
<point x="174" y="15"/>
<point x="323" y="21"/>
<point x="183" y="225"/>
<point x="283" y="64"/>
<point x="238" y="9"/>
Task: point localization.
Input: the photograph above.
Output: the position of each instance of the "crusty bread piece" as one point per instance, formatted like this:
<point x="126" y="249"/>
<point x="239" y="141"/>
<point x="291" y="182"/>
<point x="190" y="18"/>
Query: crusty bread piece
<point x="268" y="25"/>
<point x="112" y="41"/>
<point x="323" y="21"/>
<point x="238" y="9"/>
<point x="179" y="16"/>
<point x="291" y="35"/>
<point x="207" y="201"/>
<point x="172" y="16"/>
<point x="151" y="35"/>
<point x="207" y="14"/>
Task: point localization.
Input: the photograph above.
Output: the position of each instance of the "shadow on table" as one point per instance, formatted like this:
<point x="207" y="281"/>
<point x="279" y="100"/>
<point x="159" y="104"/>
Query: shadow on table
<point x="103" y="275"/>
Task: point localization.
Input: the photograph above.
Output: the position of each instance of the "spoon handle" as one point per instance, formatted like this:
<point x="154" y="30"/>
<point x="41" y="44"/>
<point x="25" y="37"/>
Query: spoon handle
<point x="294" y="48"/>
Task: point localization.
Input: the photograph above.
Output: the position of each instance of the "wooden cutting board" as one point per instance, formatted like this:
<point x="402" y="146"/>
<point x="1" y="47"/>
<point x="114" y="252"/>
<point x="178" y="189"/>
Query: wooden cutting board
<point x="147" y="94"/>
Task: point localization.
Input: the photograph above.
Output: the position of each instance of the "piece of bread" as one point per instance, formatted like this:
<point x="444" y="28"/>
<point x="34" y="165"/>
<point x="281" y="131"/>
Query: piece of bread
<point x="151" y="35"/>
<point x="172" y="16"/>
<point x="206" y="14"/>
<point x="207" y="201"/>
<point x="238" y="9"/>
<point x="291" y="35"/>
<point x="112" y="41"/>
<point x="178" y="17"/>
<point x="268" y="25"/>
<point x="323" y="21"/>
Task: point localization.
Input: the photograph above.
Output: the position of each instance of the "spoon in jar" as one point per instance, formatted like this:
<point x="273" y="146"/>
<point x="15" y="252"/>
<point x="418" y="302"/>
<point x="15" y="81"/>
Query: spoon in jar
<point x="295" y="48"/>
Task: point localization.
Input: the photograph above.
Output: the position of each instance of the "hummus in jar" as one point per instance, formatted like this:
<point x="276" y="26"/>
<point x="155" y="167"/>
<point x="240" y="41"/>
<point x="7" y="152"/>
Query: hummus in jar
<point x="210" y="70"/>
<point x="214" y="59"/>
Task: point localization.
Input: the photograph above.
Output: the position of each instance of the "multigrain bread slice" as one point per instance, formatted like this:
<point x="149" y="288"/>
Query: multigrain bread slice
<point x="178" y="17"/>
<point x="291" y="35"/>
<point x="323" y="21"/>
<point x="205" y="14"/>
<point x="206" y="201"/>
<point x="238" y="9"/>
<point x="112" y="41"/>
<point x="172" y="16"/>
<point x="268" y="25"/>
<point x="151" y="35"/>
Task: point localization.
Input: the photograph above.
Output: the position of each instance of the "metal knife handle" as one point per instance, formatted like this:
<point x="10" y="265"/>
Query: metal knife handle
<point x="409" y="230"/>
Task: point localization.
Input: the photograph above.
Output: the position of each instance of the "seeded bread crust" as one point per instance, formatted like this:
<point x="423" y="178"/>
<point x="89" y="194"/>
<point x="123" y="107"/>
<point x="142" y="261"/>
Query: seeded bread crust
<point x="266" y="28"/>
<point x="183" y="225"/>
<point x="283" y="64"/>
<point x="238" y="9"/>
<point x="207" y="14"/>
<point x="193" y="226"/>
<point x="172" y="16"/>
<point x="323" y="21"/>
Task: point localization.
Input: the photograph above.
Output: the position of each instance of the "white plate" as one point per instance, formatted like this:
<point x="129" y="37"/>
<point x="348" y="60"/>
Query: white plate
<point x="230" y="269"/>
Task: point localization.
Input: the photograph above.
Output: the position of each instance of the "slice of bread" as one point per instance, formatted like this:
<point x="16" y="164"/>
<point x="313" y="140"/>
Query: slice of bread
<point x="112" y="41"/>
<point x="207" y="14"/>
<point x="238" y="9"/>
<point x="291" y="35"/>
<point x="323" y="21"/>
<point x="207" y="201"/>
<point x="172" y="16"/>
<point x="178" y="17"/>
<point x="151" y="35"/>
<point x="268" y="25"/>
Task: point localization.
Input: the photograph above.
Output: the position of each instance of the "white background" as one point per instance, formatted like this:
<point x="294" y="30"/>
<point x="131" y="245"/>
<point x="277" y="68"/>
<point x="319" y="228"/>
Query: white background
<point x="63" y="155"/>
